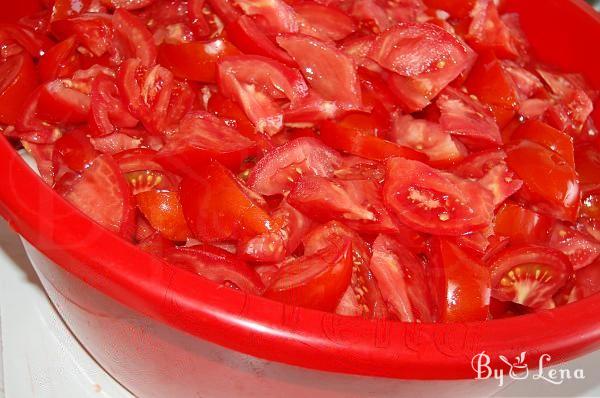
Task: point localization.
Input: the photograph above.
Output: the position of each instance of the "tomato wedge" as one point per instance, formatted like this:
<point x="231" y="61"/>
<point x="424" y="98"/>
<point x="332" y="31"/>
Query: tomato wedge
<point x="93" y="31"/>
<point x="433" y="201"/>
<point x="547" y="136"/>
<point x="217" y="265"/>
<point x="74" y="150"/>
<point x="202" y="136"/>
<point x="402" y="280"/>
<point x="278" y="170"/>
<point x="462" y="283"/>
<point x="196" y="60"/>
<point x="17" y="82"/>
<point x="315" y="281"/>
<point x="488" y="31"/>
<point x="217" y="207"/>
<point x="528" y="275"/>
<point x="137" y="39"/>
<point x="108" y="112"/>
<point x="102" y="193"/>
<point x="362" y="298"/>
<point x="60" y="61"/>
<point x="581" y="249"/>
<point x="277" y="15"/>
<point x="587" y="163"/>
<point x="522" y="225"/>
<point x="163" y="211"/>
<point x="588" y="279"/>
<point x="323" y="21"/>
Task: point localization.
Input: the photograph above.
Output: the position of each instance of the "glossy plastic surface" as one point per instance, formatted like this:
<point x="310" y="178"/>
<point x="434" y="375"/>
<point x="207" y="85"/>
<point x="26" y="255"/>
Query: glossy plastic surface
<point x="292" y="335"/>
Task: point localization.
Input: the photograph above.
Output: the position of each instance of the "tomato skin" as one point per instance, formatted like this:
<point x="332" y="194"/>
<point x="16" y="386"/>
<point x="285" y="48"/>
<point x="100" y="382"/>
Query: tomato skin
<point x="232" y="113"/>
<point x="163" y="211"/>
<point x="217" y="208"/>
<point x="522" y="225"/>
<point x="74" y="150"/>
<point x="59" y="61"/>
<point x="558" y="196"/>
<point x="528" y="274"/>
<point x="462" y="282"/>
<point x="108" y="113"/>
<point x="435" y="202"/>
<point x="547" y="136"/>
<point x="587" y="279"/>
<point x="138" y="40"/>
<point x="587" y="164"/>
<point x="195" y="60"/>
<point x="93" y="31"/>
<point x="14" y="92"/>
<point x="580" y="248"/>
<point x="315" y="281"/>
<point x="322" y="21"/>
<point x="217" y="265"/>
<point x="60" y="102"/>
<point x="488" y="31"/>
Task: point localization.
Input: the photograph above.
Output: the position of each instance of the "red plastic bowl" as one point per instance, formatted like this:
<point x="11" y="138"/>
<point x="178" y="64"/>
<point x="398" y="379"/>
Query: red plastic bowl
<point x="102" y="283"/>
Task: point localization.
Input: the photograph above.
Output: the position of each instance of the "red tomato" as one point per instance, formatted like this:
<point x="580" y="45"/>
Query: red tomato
<point x="93" y="31"/>
<point x="427" y="137"/>
<point x="528" y="275"/>
<point x="256" y="83"/>
<point x="432" y="201"/>
<point x="488" y="31"/>
<point x="155" y="244"/>
<point x="61" y="102"/>
<point x="163" y="211"/>
<point x="581" y="249"/>
<point x="279" y="169"/>
<point x="559" y="195"/>
<point x="232" y="114"/>
<point x="17" y="81"/>
<point x="362" y="298"/>
<point x="402" y="280"/>
<point x="126" y="4"/>
<point x="547" y="136"/>
<point x="273" y="246"/>
<point x="466" y="118"/>
<point x="138" y="159"/>
<point x="500" y="181"/>
<point x="315" y="281"/>
<point x="587" y="163"/>
<point x="119" y="141"/>
<point x="195" y="60"/>
<point x="60" y="61"/>
<point x="225" y="10"/>
<point x="202" y="136"/>
<point x="462" y="284"/>
<point x="494" y="87"/>
<point x="456" y="8"/>
<point x="587" y="279"/>
<point x="217" y="207"/>
<point x="137" y="40"/>
<point x="74" y="150"/>
<point x="217" y="265"/>
<point x="346" y="137"/>
<point x="277" y="15"/>
<point x="323" y="22"/>
<point x="102" y="193"/>
<point x="107" y="109"/>
<point x="522" y="225"/>
<point x="34" y="43"/>
<point x="149" y="180"/>
<point x="329" y="72"/>
<point x="42" y="155"/>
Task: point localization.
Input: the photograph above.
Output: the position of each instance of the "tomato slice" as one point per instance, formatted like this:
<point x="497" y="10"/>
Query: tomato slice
<point x="60" y="61"/>
<point x="522" y="225"/>
<point x="357" y="168"/>
<point x="273" y="246"/>
<point x="17" y="82"/>
<point x="34" y="43"/>
<point x="276" y="14"/>
<point x="315" y="281"/>
<point x="494" y="87"/>
<point x="581" y="249"/>
<point x="61" y="102"/>
<point x="587" y="279"/>
<point x="528" y="275"/>
<point x="427" y="137"/>
<point x="217" y="265"/>
<point x="233" y="114"/>
<point x="279" y="169"/>
<point x="196" y="60"/>
<point x="201" y="136"/>
<point x="329" y="72"/>
<point x="93" y="31"/>
<point x="547" y="136"/>
<point x="42" y="154"/>
<point x="107" y="110"/>
<point x="256" y="83"/>
<point x="137" y="39"/>
<point x="402" y="280"/>
<point x="323" y="21"/>
<point x="346" y="137"/>
<point x="587" y="163"/>
<point x="462" y="284"/>
<point x="120" y="141"/>
<point x="466" y="118"/>
<point x="433" y="201"/>
<point x="559" y="195"/>
<point x="362" y="298"/>
<point x="102" y="193"/>
<point x="75" y="150"/>
<point x="217" y="207"/>
<point x="163" y="211"/>
<point x="488" y="31"/>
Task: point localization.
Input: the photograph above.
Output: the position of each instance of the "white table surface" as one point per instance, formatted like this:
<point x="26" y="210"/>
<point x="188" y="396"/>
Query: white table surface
<point x="40" y="358"/>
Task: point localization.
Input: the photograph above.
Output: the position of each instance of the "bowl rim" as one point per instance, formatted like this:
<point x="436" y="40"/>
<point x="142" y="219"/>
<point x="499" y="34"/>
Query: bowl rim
<point x="270" y="330"/>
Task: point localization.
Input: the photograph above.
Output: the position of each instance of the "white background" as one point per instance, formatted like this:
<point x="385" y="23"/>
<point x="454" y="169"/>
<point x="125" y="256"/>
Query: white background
<point x="39" y="358"/>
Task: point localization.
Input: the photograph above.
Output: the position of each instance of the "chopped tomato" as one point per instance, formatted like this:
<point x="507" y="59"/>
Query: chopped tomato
<point x="277" y="15"/>
<point x="200" y="137"/>
<point x="93" y="31"/>
<point x="528" y="275"/>
<point x="137" y="40"/>
<point x="559" y="195"/>
<point x="587" y="163"/>
<point x="17" y="82"/>
<point x="217" y="265"/>
<point x="324" y="22"/>
<point x="547" y="136"/>
<point x="60" y="61"/>
<point x="488" y="31"/>
<point x="456" y="8"/>
<point x="462" y="284"/>
<point x="433" y="201"/>
<point x="74" y="150"/>
<point x="163" y="211"/>
<point x="61" y="102"/>
<point x="588" y="279"/>
<point x="315" y="281"/>
<point x="232" y="113"/>
<point x="42" y="154"/>
<point x="217" y="207"/>
<point x="196" y="60"/>
<point x="581" y="249"/>
<point x="277" y="171"/>
<point x="522" y="225"/>
<point x="402" y="280"/>
<point x="102" y="193"/>
<point x="107" y="110"/>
